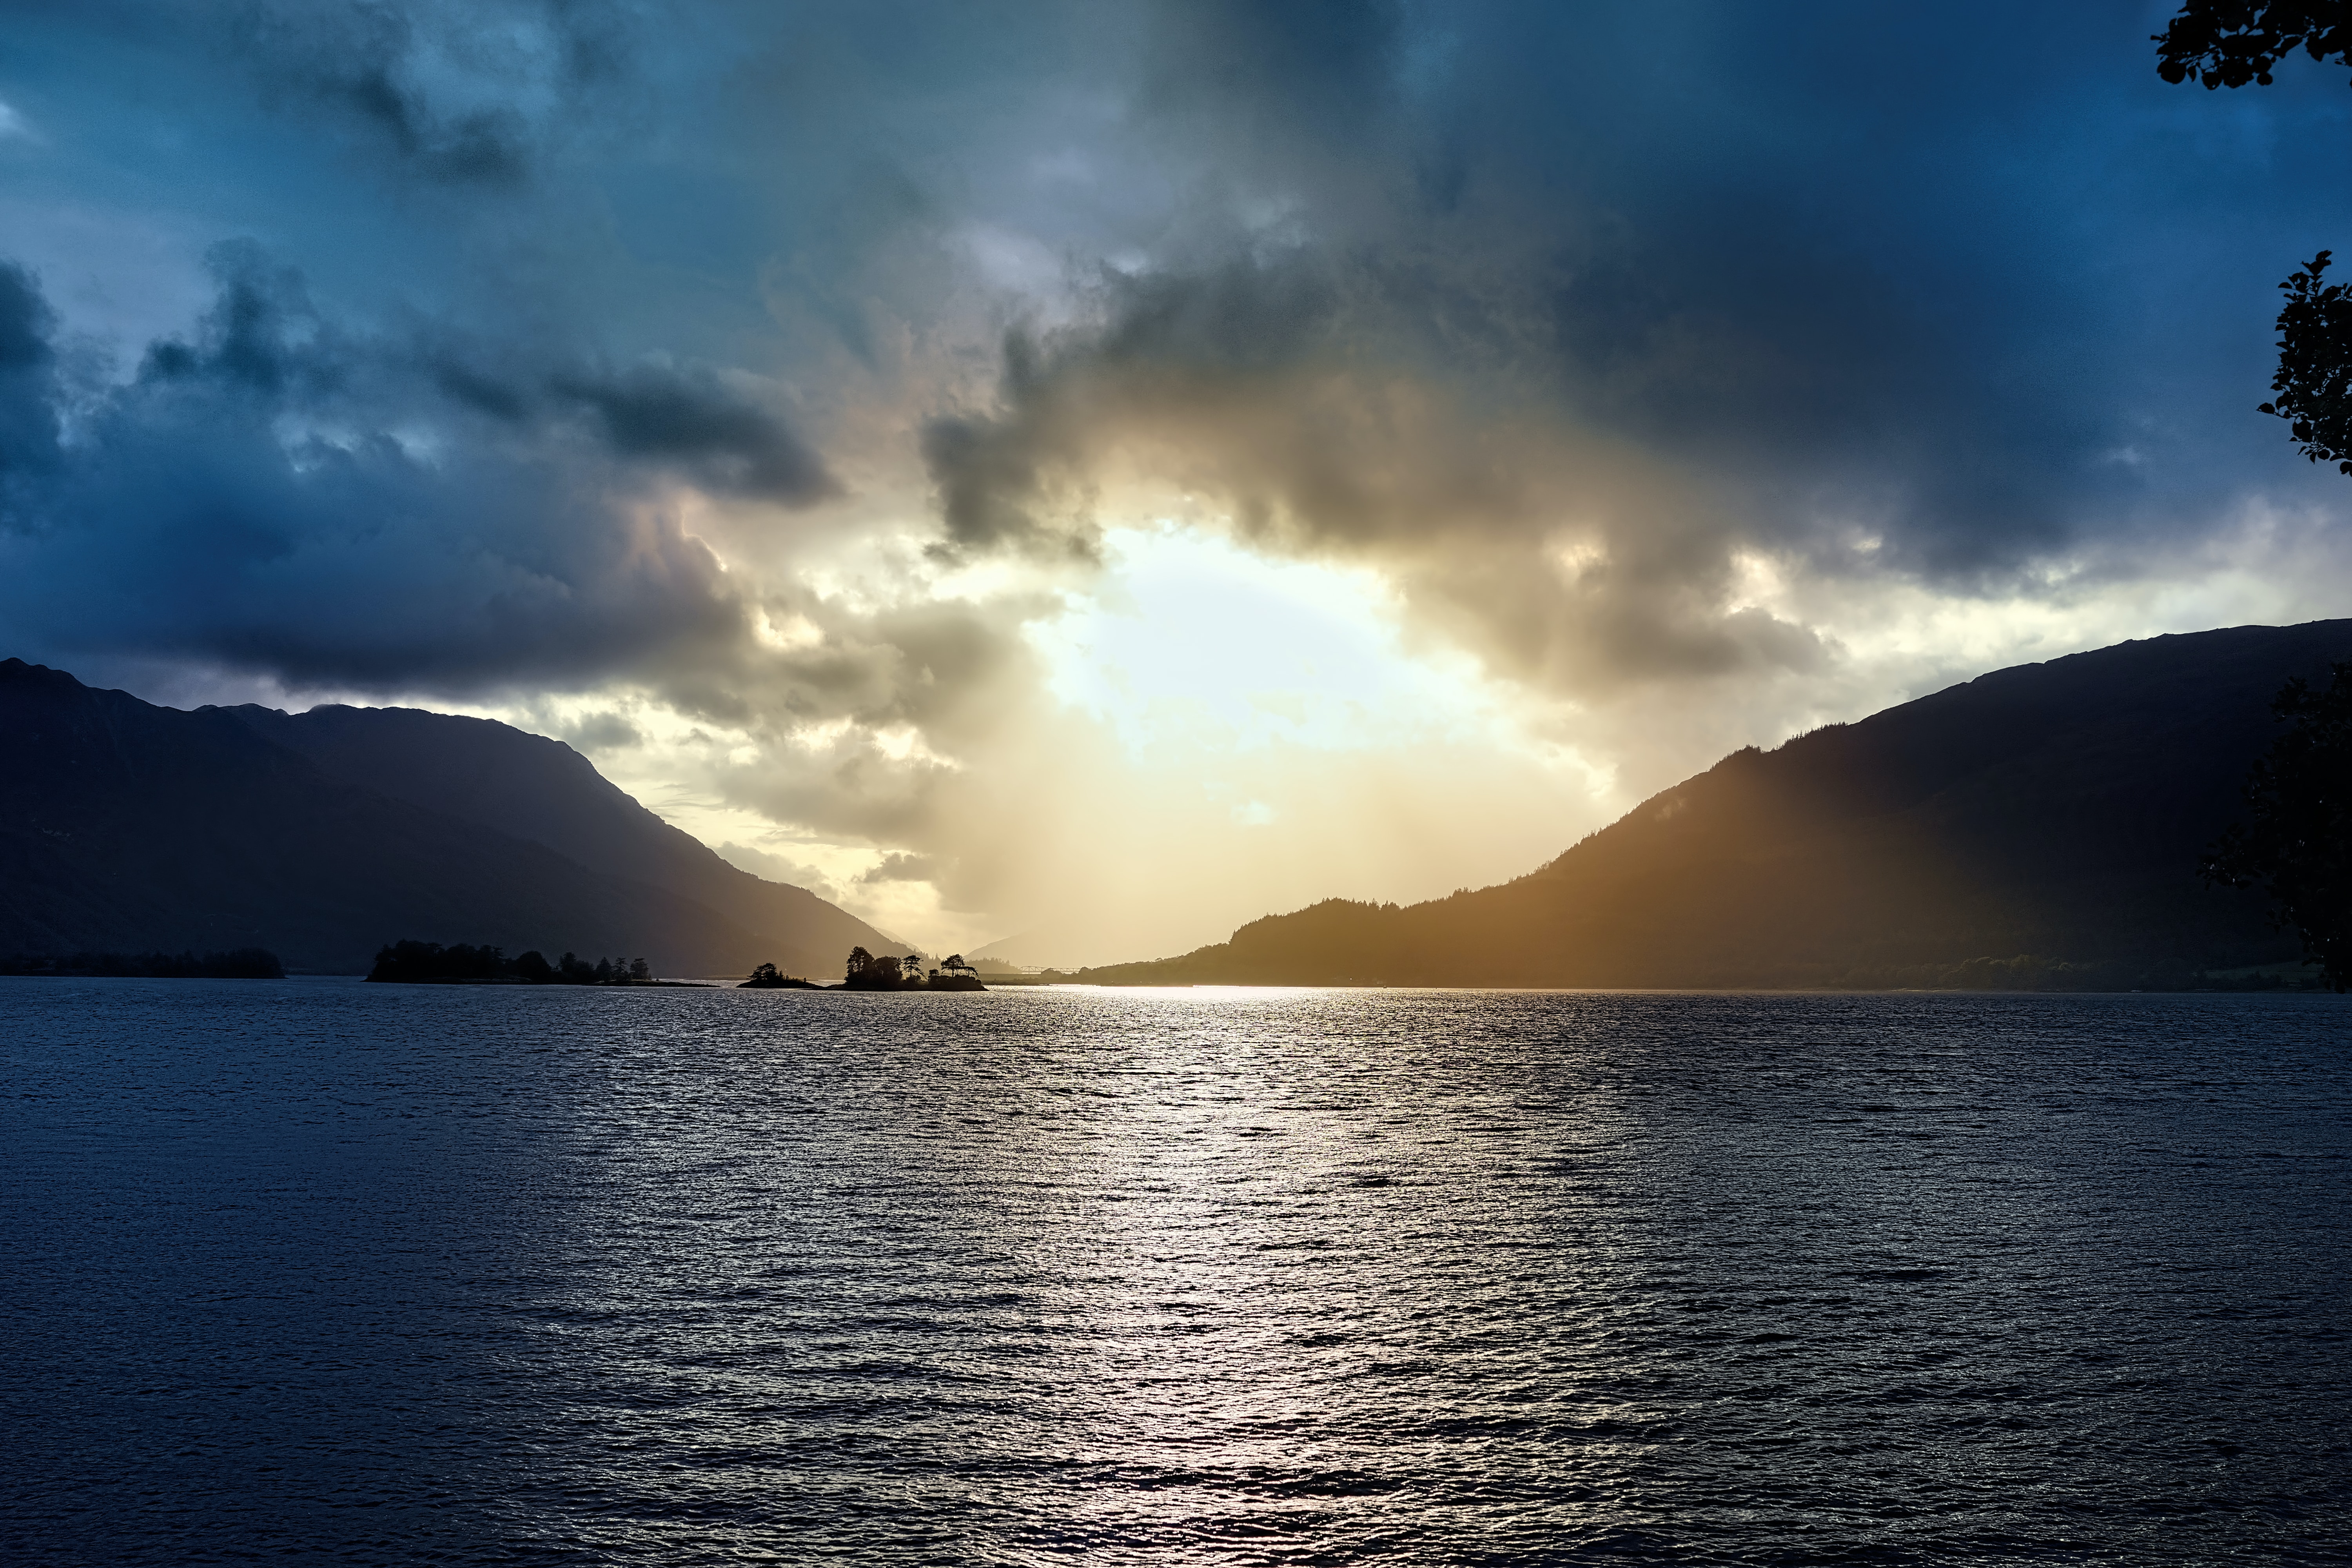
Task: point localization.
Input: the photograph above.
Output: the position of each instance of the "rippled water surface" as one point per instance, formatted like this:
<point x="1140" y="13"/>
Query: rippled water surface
<point x="321" y="1270"/>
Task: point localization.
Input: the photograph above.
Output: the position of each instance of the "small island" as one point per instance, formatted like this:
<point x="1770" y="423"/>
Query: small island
<point x="767" y="977"/>
<point x="867" y="971"/>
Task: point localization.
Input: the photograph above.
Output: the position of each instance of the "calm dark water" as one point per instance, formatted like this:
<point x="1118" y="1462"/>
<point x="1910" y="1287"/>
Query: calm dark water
<point x="316" y="1270"/>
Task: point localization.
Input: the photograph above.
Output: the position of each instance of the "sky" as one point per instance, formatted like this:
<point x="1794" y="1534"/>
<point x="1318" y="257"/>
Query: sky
<point x="1080" y="477"/>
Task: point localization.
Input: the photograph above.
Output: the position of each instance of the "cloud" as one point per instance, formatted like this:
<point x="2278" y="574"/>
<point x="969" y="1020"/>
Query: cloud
<point x="686" y="418"/>
<point x="898" y="868"/>
<point x="773" y="375"/>
<point x="606" y="731"/>
<point x="29" y="422"/>
<point x="276" y="492"/>
<point x="687" y="415"/>
<point x="458" y="95"/>
<point x="1296" y="404"/>
<point x="1570" y="322"/>
<point x="780" y="869"/>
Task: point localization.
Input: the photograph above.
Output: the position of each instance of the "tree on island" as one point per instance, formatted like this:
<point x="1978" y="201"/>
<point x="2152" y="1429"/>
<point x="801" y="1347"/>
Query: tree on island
<point x="768" y="977"/>
<point x="868" y="973"/>
<point x="414" y="962"/>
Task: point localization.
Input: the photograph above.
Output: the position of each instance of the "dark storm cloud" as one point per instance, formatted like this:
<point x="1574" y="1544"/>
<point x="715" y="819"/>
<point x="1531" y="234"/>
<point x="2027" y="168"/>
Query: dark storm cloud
<point x="1306" y="400"/>
<point x="261" y="338"/>
<point x="1331" y="65"/>
<point x="29" y="422"/>
<point x="687" y="415"/>
<point x="1566" y="309"/>
<point x="274" y="493"/>
<point x="1172" y="345"/>
<point x="686" y="418"/>
<point x="1555" y="314"/>
<point x="450" y="93"/>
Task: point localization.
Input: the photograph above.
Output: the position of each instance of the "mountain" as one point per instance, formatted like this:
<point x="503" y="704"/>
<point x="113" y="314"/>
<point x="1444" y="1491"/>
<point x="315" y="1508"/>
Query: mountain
<point x="322" y="836"/>
<point x="530" y="787"/>
<point x="2039" y="826"/>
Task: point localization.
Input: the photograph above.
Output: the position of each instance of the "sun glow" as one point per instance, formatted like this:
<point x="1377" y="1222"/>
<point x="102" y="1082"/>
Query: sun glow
<point x="1191" y="642"/>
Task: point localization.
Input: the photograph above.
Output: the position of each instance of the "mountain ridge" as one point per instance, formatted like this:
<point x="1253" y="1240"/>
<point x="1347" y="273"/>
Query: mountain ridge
<point x="125" y="826"/>
<point x="539" y="789"/>
<point x="2048" y="812"/>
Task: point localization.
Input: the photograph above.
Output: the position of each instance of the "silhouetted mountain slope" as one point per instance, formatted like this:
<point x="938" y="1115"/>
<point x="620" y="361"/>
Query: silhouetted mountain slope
<point x="128" y="827"/>
<point x="488" y="773"/>
<point x="2052" y="810"/>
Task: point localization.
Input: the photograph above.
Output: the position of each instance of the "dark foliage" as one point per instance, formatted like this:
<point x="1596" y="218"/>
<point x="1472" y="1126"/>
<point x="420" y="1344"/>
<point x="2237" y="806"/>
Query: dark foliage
<point x="866" y="971"/>
<point x="2315" y="369"/>
<point x="768" y="977"/>
<point x="2296" y="841"/>
<point x="411" y="962"/>
<point x="2229" y="43"/>
<point x="242" y="964"/>
<point x="429" y="963"/>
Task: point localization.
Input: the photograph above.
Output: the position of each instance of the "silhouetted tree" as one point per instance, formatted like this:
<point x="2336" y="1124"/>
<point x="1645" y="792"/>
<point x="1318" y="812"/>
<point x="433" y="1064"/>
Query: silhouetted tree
<point x="859" y="960"/>
<point x="640" y="970"/>
<point x="2296" y="843"/>
<point x="2229" y="43"/>
<point x="2315" y="369"/>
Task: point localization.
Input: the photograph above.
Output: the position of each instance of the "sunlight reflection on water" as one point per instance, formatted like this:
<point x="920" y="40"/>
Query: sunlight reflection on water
<point x="412" y="1274"/>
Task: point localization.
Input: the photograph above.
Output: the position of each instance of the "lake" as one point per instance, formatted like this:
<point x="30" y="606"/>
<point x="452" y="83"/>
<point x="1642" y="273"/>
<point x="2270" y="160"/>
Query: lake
<point x="374" y="1274"/>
